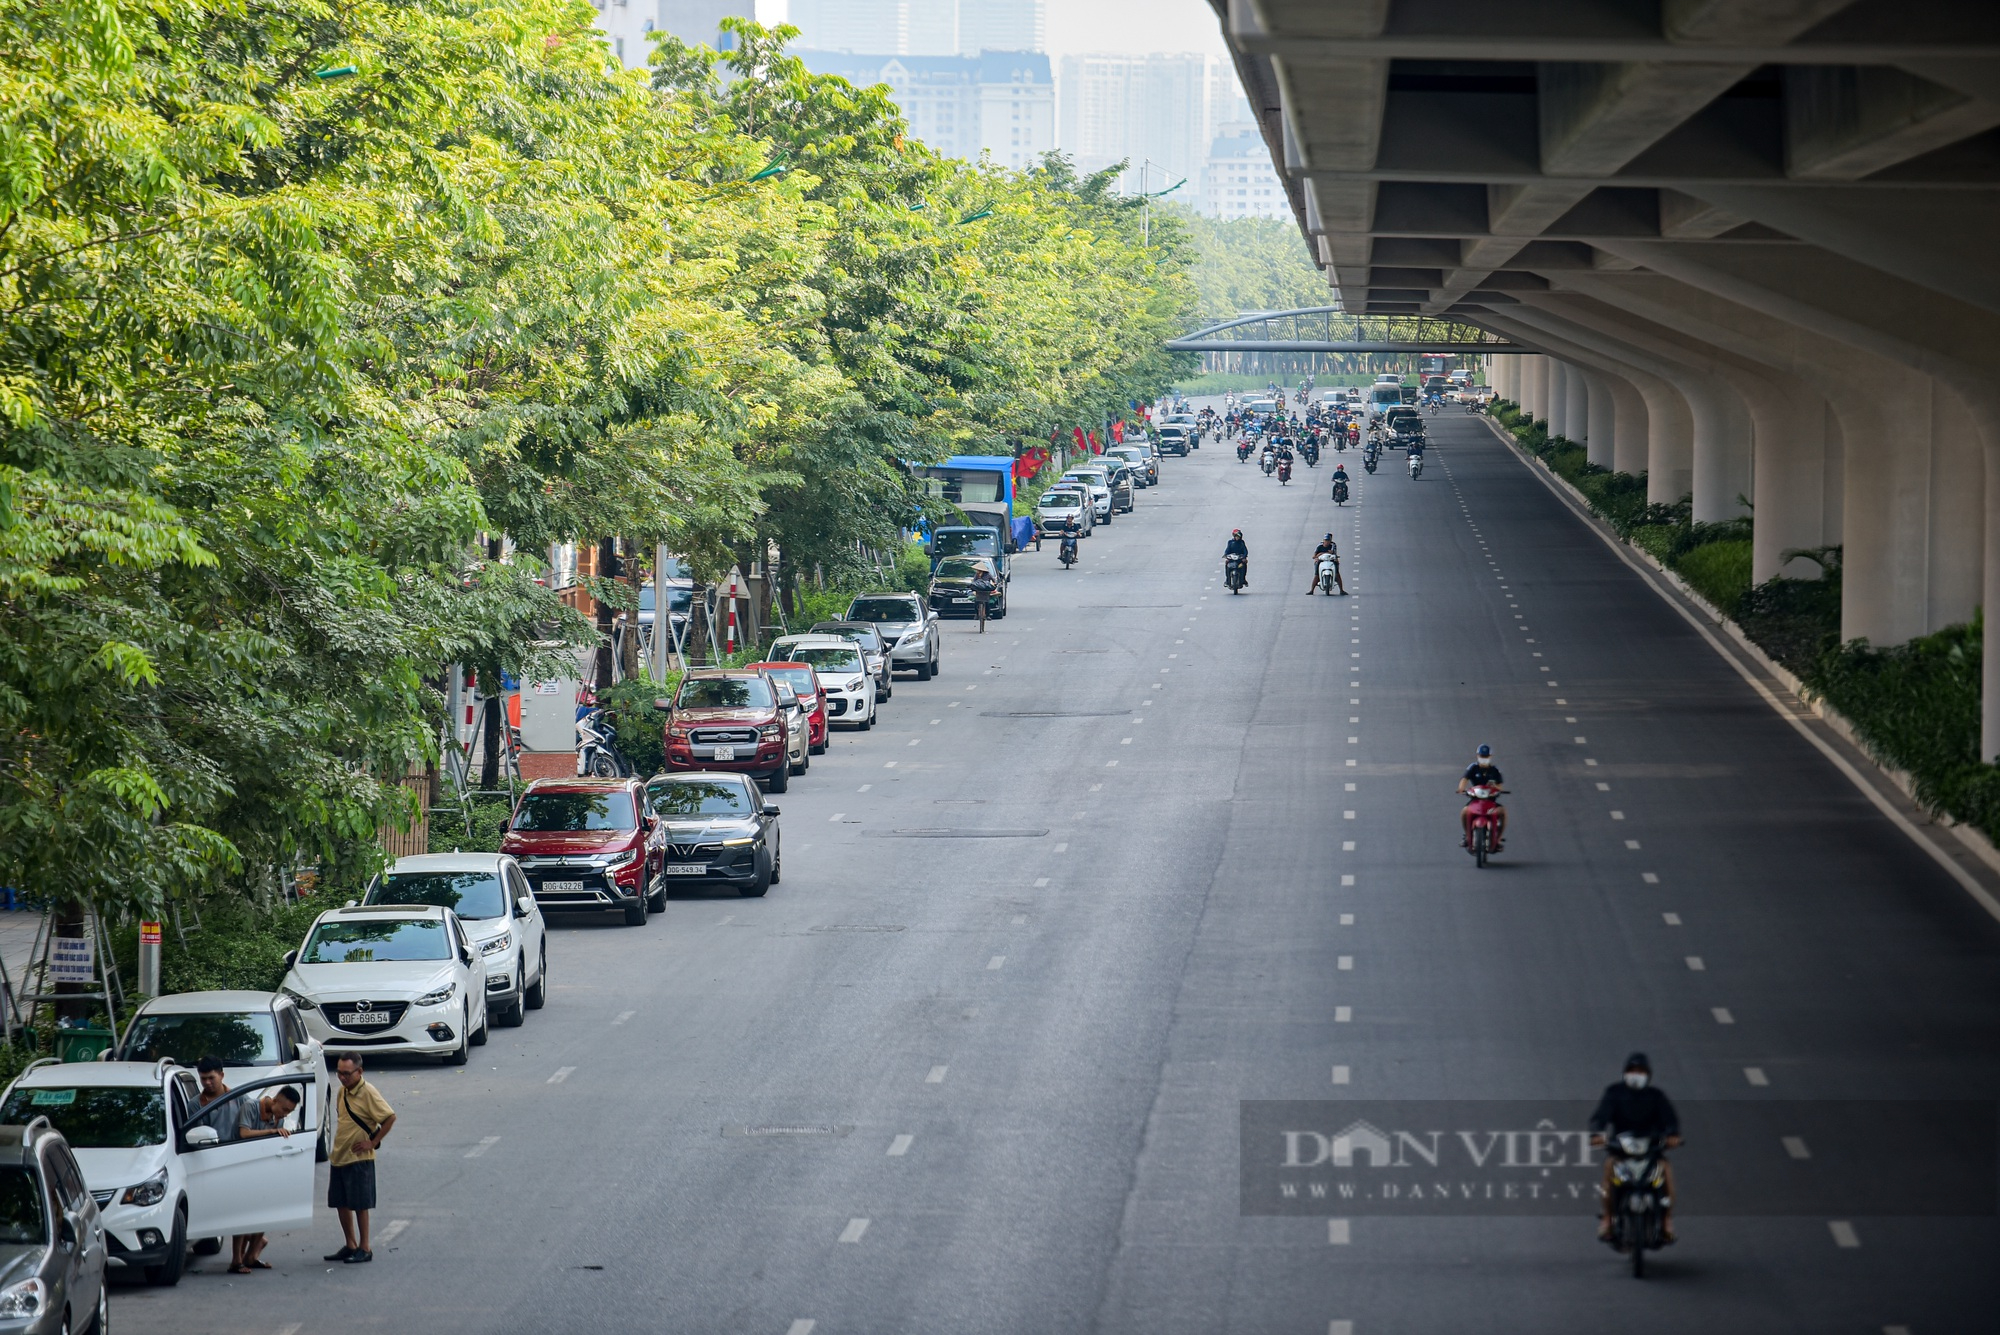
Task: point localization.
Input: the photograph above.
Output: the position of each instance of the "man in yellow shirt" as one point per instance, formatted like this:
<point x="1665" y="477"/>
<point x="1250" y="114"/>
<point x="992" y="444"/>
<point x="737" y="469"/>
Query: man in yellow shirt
<point x="362" y="1118"/>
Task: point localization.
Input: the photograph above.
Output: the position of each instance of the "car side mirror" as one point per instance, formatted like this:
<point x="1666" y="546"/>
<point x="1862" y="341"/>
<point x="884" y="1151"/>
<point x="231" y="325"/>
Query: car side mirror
<point x="524" y="906"/>
<point x="66" y="1231"/>
<point x="770" y="810"/>
<point x="664" y="705"/>
<point x="291" y="958"/>
<point x="203" y="1135"/>
<point x="506" y="823"/>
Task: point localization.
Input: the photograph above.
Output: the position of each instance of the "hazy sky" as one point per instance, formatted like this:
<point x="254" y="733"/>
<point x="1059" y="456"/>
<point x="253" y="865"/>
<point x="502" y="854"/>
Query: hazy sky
<point x="1121" y="27"/>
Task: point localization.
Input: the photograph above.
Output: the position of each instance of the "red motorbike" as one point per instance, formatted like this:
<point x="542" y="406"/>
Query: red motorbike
<point x="1284" y="471"/>
<point x="1482" y="821"/>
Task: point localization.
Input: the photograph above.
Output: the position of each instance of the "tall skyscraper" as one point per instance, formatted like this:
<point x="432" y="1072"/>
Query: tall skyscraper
<point x="1238" y="180"/>
<point x="920" y="27"/>
<point x="1157" y="112"/>
<point x="629" y="24"/>
<point x="998" y="102"/>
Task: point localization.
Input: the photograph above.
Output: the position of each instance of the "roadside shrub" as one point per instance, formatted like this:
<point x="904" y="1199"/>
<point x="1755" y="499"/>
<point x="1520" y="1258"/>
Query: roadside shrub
<point x="240" y="944"/>
<point x="1795" y="621"/>
<point x="1917" y="707"/>
<point x="1719" y="572"/>
<point x="912" y="572"/>
<point x="639" y="724"/>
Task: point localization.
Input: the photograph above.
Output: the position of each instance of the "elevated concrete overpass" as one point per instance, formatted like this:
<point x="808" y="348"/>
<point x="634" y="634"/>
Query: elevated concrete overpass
<point x="1753" y="242"/>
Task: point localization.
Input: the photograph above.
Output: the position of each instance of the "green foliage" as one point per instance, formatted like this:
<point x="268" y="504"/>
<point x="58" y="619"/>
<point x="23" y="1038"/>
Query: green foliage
<point x="641" y="728"/>
<point x="1718" y="571"/>
<point x="1795" y="621"/>
<point x="240" y="944"/>
<point x="1251" y="264"/>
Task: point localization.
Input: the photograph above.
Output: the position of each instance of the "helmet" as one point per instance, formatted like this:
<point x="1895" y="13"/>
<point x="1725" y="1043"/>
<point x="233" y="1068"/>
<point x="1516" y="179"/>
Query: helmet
<point x="1637" y="1062"/>
<point x="1485" y="752"/>
<point x="1235" y="532"/>
<point x="1327" y="538"/>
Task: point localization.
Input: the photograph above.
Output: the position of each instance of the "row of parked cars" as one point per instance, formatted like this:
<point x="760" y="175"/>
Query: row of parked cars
<point x="1098" y="491"/>
<point x="119" y="1166"/>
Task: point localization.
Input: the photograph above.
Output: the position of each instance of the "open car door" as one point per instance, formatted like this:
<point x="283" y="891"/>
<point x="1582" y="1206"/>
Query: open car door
<point x="248" y="1184"/>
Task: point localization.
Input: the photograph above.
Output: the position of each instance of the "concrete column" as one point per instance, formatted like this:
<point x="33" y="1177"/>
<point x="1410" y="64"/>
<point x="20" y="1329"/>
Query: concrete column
<point x="1558" y="398"/>
<point x="1630" y="426"/>
<point x="1576" y="405"/>
<point x="1538" y="388"/>
<point x="1601" y="432"/>
<point x="1721" y="448"/>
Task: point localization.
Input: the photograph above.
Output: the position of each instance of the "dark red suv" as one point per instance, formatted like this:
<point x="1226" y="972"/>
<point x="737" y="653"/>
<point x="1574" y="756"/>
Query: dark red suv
<point x="728" y="719"/>
<point x="590" y="844"/>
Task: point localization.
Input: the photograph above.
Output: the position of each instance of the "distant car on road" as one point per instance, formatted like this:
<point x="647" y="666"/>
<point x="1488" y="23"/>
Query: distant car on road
<point x="1061" y="505"/>
<point x="873" y="649"/>
<point x="729" y="719"/>
<point x="842" y="671"/>
<point x="907" y="626"/>
<point x="588" y="844"/>
<point x="719" y="828"/>
<point x="805" y="683"/>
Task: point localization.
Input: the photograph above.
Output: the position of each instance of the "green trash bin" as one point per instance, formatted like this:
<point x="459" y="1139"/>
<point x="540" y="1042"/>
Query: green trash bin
<point x="81" y="1045"/>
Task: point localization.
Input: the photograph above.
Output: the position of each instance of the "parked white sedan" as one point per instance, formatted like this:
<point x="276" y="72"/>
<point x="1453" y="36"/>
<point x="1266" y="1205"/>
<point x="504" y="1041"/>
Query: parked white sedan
<point x="497" y="909"/>
<point x="401" y="978"/>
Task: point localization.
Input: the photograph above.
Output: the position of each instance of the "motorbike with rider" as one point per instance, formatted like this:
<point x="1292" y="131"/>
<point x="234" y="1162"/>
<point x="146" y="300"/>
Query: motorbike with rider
<point x="1326" y="569"/>
<point x="1636" y="1124"/>
<point x="1484" y="775"/>
<point x="1340" y="484"/>
<point x="1237" y="551"/>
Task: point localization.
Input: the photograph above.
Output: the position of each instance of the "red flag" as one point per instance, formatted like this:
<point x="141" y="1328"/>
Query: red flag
<point x="1081" y="444"/>
<point x="1118" y="432"/>
<point x="1092" y="435"/>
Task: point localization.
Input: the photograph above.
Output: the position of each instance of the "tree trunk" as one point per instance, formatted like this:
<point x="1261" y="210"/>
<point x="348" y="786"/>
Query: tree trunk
<point x="490" y="711"/>
<point x="607" y="561"/>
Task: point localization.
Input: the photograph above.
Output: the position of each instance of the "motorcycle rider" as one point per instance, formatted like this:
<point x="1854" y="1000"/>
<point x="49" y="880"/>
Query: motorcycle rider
<point x="1327" y="547"/>
<point x="1482" y="773"/>
<point x="1636" y="1106"/>
<point x="1237" y="547"/>
<point x="1067" y="549"/>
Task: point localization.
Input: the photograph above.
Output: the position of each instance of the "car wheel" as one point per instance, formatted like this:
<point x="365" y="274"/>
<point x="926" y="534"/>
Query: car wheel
<point x="777" y="869"/>
<point x="457" y="1057"/>
<point x="538" y="991"/>
<point x="483" y="1032"/>
<point x="168" y="1272"/>
<point x="780" y="780"/>
<point x="866" y="723"/>
<point x="924" y="671"/>
<point x="887" y="689"/>
<point x="657" y="901"/>
<point x="100" y="1324"/>
<point x="635" y="912"/>
<point x="800" y="768"/>
<point x="937" y="664"/>
<point x="756" y="888"/>
<point x="517" y="1014"/>
<point x="819" y="749"/>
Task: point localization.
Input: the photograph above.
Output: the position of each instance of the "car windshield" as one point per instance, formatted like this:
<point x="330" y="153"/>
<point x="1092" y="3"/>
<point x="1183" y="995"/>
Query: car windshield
<point x="239" y="1038"/>
<point x="1062" y="500"/>
<point x="959" y="567"/>
<point x="800" y="679"/>
<point x="724" y="693"/>
<point x="883" y="609"/>
<point x="700" y="797"/>
<point x="985" y="542"/>
<point x="109" y="1117"/>
<point x="829" y="658"/>
<point x="380" y="941"/>
<point x="861" y="635"/>
<point x="469" y="894"/>
<point x="571" y="812"/>
<point x="21" y="1221"/>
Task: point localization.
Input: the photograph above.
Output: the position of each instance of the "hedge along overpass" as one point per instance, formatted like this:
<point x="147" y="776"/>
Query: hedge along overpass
<point x="1752" y="242"/>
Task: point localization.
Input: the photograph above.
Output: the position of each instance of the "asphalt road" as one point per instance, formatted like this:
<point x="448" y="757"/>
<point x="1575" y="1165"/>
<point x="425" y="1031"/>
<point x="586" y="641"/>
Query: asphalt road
<point x="976" y="1065"/>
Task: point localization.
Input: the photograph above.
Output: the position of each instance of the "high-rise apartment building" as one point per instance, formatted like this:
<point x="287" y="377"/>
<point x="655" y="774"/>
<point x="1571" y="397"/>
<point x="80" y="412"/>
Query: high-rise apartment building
<point x="920" y="27"/>
<point x="629" y="24"/>
<point x="1158" y="113"/>
<point x="1238" y="180"/>
<point x="1000" y="102"/>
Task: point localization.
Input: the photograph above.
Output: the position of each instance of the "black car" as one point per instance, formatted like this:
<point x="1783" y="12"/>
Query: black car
<point x="951" y="588"/>
<point x="720" y="830"/>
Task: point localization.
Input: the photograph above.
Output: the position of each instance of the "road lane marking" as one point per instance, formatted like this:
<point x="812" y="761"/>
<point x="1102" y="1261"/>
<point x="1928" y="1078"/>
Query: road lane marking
<point x="996" y="962"/>
<point x="936" y="721"/>
<point x="1347" y="815"/>
<point x="562" y="1074"/>
<point x="623" y="1016"/>
<point x="1341" y="1075"/>
<point x="1347" y="878"/>
<point x="1124" y="741"/>
<point x="1352" y="741"/>
<point x="1347" y="845"/>
<point x="900" y="1146"/>
<point x="1096" y="787"/>
<point x="1111" y="764"/>
<point x="1671" y="919"/>
<point x="915" y="740"/>
<point x="388" y="1235"/>
<point x="1343" y="1014"/>
<point x="864" y="787"/>
<point x="1041" y="881"/>
<point x="1843" y="1233"/>
<point x="803" y="1326"/>
<point x="1061" y="848"/>
<point x="1603" y="787"/>
<point x="1351" y="764"/>
<point x="1795" y="1146"/>
<point x="1589" y="762"/>
<point x="1347" y="920"/>
<point x="1632" y="844"/>
<point x="1350" y="787"/>
<point x="1694" y="963"/>
<point x="1618" y="815"/>
<point x="1649" y="877"/>
<point x="1020" y="919"/>
<point x="835" y="818"/>
<point x="485" y="1143"/>
<point x="1344" y="962"/>
<point x="1755" y="1075"/>
<point x="936" y="1077"/>
<point x="1337" y="1232"/>
<point x="1722" y="1015"/>
<point x="855" y="1228"/>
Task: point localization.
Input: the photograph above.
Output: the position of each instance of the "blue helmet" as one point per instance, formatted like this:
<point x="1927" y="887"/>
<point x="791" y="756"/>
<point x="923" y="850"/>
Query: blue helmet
<point x="1485" y="751"/>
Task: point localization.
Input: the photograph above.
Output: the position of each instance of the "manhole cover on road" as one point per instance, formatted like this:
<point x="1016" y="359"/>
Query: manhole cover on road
<point x="787" y="1129"/>
<point x="1054" y="713"/>
<point x="953" y="834"/>
<point x="859" y="927"/>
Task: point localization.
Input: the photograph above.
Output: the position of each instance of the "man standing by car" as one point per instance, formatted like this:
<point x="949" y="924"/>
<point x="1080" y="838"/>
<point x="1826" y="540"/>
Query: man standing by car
<point x="363" y="1121"/>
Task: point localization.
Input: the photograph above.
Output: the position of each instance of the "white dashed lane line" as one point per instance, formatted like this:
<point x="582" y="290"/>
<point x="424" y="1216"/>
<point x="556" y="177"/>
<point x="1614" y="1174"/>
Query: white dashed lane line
<point x="485" y="1143"/>
<point x="900" y="1146"/>
<point x="854" y="1231"/>
<point x="562" y="1073"/>
<point x="936" y="1077"/>
<point x="1755" y="1075"/>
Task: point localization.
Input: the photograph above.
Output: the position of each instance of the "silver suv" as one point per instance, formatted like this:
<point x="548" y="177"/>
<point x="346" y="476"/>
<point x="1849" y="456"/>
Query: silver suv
<point x="51" y="1238"/>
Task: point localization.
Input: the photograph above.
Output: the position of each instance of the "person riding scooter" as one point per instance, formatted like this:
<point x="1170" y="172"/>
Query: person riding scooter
<point x="1482" y="773"/>
<point x="1327" y="547"/>
<point x="1635" y="1106"/>
<point x="1237" y="547"/>
<point x="1066" y="552"/>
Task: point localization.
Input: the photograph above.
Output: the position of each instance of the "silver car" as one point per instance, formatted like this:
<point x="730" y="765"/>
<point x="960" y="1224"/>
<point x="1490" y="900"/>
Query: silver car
<point x="907" y="626"/>
<point x="52" y="1249"/>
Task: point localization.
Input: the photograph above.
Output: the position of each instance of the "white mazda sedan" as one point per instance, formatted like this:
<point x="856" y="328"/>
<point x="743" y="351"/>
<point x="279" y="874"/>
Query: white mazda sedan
<point x="390" y="978"/>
